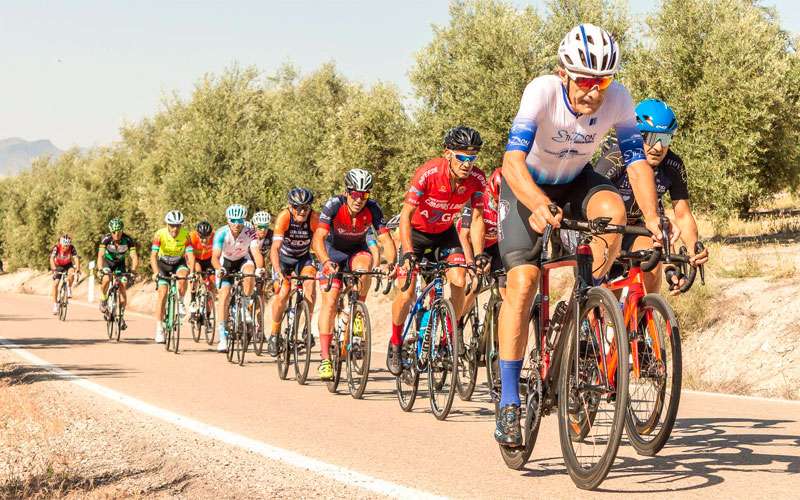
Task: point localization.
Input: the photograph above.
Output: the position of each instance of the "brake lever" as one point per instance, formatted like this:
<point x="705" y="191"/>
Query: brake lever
<point x="699" y="247"/>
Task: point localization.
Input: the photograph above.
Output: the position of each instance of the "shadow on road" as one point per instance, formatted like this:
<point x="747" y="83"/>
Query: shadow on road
<point x="12" y="317"/>
<point x="16" y="374"/>
<point x="699" y="450"/>
<point x="63" y="342"/>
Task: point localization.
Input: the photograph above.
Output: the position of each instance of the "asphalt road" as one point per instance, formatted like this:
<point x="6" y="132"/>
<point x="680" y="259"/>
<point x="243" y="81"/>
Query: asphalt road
<point x="722" y="446"/>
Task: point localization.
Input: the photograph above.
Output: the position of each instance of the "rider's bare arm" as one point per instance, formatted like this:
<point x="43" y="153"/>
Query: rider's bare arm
<point x="318" y="244"/>
<point x="405" y="226"/>
<point x="478" y="231"/>
<point x="387" y="244"/>
<point x="687" y="224"/>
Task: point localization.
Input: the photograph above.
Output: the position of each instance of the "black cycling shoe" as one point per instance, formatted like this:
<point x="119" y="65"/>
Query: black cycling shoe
<point x="123" y="325"/>
<point x="272" y="345"/>
<point x="508" y="431"/>
<point x="394" y="362"/>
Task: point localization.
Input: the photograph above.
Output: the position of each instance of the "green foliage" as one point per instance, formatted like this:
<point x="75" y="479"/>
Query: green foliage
<point x="733" y="83"/>
<point x="731" y="74"/>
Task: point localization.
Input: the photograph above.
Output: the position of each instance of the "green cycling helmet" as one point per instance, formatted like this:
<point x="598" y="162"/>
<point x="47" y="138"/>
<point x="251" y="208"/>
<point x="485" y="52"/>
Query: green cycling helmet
<point x="115" y="224"/>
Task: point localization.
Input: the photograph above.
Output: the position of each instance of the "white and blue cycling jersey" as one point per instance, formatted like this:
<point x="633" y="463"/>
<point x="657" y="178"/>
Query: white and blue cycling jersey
<point x="235" y="248"/>
<point x="560" y="142"/>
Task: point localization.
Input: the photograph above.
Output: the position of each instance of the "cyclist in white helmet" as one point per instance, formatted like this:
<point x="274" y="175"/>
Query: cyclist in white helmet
<point x="261" y="221"/>
<point x="561" y="121"/>
<point x="171" y="253"/>
<point x="235" y="250"/>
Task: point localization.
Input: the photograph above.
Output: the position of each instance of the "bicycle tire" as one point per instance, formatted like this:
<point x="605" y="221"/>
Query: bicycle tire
<point x="407" y="383"/>
<point x="285" y="341"/>
<point x="516" y="458"/>
<point x="467" y="374"/>
<point x="231" y="328"/>
<point x="358" y="369"/>
<point x="258" y="325"/>
<point x="109" y="317"/>
<point x="492" y="355"/>
<point x="168" y="320"/>
<point x="196" y="319"/>
<point x="588" y="478"/>
<point x="443" y="359"/>
<point x="209" y="319"/>
<point x="670" y="341"/>
<point x="175" y="337"/>
<point x="336" y="362"/>
<point x="302" y="343"/>
<point x="119" y="319"/>
<point x="62" y="301"/>
<point x="245" y="332"/>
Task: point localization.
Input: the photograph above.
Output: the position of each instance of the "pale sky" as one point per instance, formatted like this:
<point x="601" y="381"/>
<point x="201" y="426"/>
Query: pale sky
<point x="75" y="71"/>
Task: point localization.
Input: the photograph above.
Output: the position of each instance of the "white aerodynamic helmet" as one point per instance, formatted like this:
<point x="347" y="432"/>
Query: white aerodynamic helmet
<point x="262" y="218"/>
<point x="589" y="50"/>
<point x="174" y="217"/>
<point x="235" y="211"/>
<point x="358" y="179"/>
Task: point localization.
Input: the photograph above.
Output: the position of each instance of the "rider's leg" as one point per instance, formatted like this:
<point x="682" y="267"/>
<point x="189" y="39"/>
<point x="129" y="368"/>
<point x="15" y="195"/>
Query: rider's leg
<point x="400" y="306"/>
<point x="162" y="298"/>
<point x="327" y="313"/>
<point x="279" y="304"/>
<point x="362" y="261"/>
<point x="104" y="283"/>
<point x="54" y="288"/>
<point x="310" y="287"/>
<point x="182" y="284"/>
<point x="521" y="286"/>
<point x="248" y="283"/>
<point x="605" y="203"/>
<point x="457" y="277"/>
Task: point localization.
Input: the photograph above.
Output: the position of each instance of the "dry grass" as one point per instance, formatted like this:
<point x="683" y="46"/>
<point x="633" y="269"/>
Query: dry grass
<point x="777" y="220"/>
<point x="748" y="267"/>
<point x="735" y="386"/>
<point x="694" y="309"/>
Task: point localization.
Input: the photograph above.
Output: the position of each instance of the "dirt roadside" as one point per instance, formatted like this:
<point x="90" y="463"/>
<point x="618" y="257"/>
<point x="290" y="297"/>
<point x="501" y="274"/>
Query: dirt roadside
<point x="59" y="441"/>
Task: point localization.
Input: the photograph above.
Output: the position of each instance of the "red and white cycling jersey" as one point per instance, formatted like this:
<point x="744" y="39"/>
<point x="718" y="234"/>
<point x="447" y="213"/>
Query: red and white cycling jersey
<point x="437" y="204"/>
<point x="62" y="256"/>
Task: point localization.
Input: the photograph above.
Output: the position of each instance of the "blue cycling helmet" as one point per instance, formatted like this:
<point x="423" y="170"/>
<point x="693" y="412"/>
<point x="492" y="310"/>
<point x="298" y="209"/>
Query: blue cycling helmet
<point x="653" y="115"/>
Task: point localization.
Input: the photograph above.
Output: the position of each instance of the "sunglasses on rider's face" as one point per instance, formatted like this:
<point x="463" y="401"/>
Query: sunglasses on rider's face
<point x="359" y="195"/>
<point x="466" y="158"/>
<point x="236" y="221"/>
<point x="262" y="227"/>
<point x="652" y="138"/>
<point x="301" y="208"/>
<point x="588" y="83"/>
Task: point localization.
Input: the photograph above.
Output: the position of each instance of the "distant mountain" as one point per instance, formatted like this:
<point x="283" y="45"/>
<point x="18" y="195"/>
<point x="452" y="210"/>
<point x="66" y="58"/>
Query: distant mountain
<point x="17" y="154"/>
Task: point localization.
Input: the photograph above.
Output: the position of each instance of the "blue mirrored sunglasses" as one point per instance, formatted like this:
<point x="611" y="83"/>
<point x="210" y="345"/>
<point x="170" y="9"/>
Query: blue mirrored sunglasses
<point x="236" y="221"/>
<point x="467" y="158"/>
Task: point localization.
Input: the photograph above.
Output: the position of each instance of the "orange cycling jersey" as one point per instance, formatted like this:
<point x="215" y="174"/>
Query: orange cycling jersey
<point x="202" y="246"/>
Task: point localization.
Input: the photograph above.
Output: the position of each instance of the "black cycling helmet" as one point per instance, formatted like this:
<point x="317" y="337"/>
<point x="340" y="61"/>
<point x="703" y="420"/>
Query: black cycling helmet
<point x="463" y="138"/>
<point x="300" y="196"/>
<point x="204" y="229"/>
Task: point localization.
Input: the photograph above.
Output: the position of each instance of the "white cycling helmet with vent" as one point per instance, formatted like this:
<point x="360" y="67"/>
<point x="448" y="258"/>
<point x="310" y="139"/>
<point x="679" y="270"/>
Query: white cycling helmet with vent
<point x="358" y="179"/>
<point x="235" y="211"/>
<point x="174" y="217"/>
<point x="261" y="218"/>
<point x="589" y="50"/>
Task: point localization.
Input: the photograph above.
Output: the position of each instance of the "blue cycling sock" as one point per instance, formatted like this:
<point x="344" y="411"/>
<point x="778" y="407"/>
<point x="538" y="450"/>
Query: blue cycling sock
<point x="509" y="380"/>
<point x="599" y="281"/>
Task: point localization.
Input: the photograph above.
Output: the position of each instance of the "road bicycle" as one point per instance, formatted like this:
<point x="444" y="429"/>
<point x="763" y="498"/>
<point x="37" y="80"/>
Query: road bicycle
<point x="62" y="295"/>
<point x="479" y="340"/>
<point x="114" y="311"/>
<point x="351" y="343"/>
<point x="294" y="339"/>
<point x="260" y="302"/>
<point x="203" y="318"/>
<point x="655" y="345"/>
<point x="429" y="343"/>
<point x="578" y="364"/>
<point x="172" y="316"/>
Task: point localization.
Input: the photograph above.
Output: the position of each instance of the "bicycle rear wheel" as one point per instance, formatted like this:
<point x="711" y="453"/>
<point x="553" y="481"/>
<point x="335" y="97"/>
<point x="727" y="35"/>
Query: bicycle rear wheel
<point x="120" y="319"/>
<point x="258" y="337"/>
<point x="209" y="318"/>
<point x="62" y="301"/>
<point x="443" y="359"/>
<point x="196" y="318"/>
<point x="246" y="330"/>
<point x="169" y="320"/>
<point x="336" y="362"/>
<point x="301" y="344"/>
<point x="593" y="380"/>
<point x="468" y="339"/>
<point x="492" y="356"/>
<point x="654" y="394"/>
<point x="360" y="351"/>
<point x="175" y="336"/>
<point x="286" y="340"/>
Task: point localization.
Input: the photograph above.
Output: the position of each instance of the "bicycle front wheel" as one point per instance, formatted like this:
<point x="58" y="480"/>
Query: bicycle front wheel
<point x="360" y="351"/>
<point x="468" y="340"/>
<point x="593" y="388"/>
<point x="209" y="318"/>
<point x="285" y="341"/>
<point x="443" y="359"/>
<point x="120" y="319"/>
<point x="62" y="301"/>
<point x="301" y="344"/>
<point x="110" y="317"/>
<point x="175" y="337"/>
<point x="336" y="362"/>
<point x="655" y="382"/>
<point x="258" y="337"/>
<point x="492" y="355"/>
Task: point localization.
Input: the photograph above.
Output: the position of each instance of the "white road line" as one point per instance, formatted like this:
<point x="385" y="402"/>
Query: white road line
<point x="331" y="471"/>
